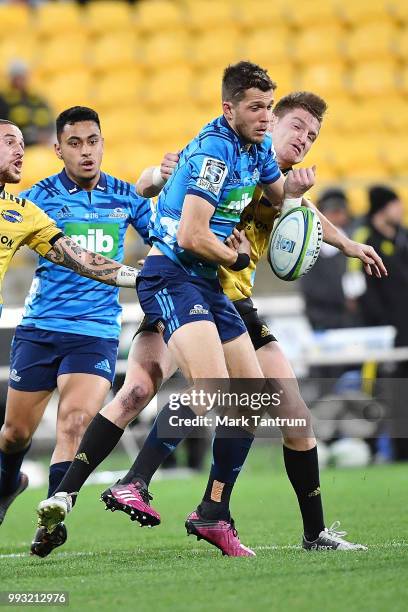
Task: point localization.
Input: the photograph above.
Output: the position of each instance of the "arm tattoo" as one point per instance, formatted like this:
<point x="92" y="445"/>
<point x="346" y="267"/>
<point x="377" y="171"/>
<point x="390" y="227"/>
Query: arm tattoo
<point x="66" y="252"/>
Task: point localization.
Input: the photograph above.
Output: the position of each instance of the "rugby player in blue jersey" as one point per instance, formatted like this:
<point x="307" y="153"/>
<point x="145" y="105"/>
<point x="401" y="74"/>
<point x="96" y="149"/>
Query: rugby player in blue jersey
<point x="68" y="336"/>
<point x="196" y="212"/>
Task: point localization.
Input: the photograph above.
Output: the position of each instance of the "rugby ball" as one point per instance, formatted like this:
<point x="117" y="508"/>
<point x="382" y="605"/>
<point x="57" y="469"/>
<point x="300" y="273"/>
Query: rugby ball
<point x="295" y="243"/>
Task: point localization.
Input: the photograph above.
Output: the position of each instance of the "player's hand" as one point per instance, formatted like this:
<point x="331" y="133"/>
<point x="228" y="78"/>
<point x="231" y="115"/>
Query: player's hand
<point x="244" y="245"/>
<point x="140" y="263"/>
<point x="298" y="181"/>
<point x="365" y="253"/>
<point x="168" y="163"/>
<point x="233" y="241"/>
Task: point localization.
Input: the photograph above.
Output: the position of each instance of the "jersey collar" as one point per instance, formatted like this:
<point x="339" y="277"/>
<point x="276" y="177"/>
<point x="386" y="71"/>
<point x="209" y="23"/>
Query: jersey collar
<point x="73" y="188"/>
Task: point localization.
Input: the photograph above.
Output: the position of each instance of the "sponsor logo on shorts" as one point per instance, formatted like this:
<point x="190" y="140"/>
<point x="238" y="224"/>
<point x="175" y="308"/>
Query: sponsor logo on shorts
<point x="314" y="493"/>
<point x="265" y="331"/>
<point x="198" y="309"/>
<point x="12" y="215"/>
<point x="104" y="365"/>
<point x="14" y="376"/>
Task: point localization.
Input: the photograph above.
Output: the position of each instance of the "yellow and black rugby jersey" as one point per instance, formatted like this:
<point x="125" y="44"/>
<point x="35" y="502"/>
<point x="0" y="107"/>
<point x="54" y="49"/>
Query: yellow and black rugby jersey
<point x="257" y="220"/>
<point x="22" y="222"/>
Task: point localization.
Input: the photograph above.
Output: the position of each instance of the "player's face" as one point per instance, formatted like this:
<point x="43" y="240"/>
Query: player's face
<point x="81" y="149"/>
<point x="11" y="153"/>
<point x="251" y="116"/>
<point x="293" y="135"/>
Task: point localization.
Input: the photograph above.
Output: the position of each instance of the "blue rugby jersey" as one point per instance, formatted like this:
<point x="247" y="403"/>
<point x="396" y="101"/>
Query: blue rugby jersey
<point x="60" y="299"/>
<point x="219" y="167"/>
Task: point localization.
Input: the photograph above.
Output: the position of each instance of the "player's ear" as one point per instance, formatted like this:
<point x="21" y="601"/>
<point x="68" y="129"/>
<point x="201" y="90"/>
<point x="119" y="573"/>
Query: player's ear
<point x="227" y="110"/>
<point x="57" y="149"/>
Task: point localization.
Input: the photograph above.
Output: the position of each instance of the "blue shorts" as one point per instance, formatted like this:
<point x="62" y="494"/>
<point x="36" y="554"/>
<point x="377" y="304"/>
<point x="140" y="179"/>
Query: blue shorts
<point x="39" y="356"/>
<point x="172" y="298"/>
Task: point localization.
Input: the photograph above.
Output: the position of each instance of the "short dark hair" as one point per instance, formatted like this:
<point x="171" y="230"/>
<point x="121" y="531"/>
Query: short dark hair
<point x="76" y="114"/>
<point x="310" y="102"/>
<point x="7" y="122"/>
<point x="242" y="76"/>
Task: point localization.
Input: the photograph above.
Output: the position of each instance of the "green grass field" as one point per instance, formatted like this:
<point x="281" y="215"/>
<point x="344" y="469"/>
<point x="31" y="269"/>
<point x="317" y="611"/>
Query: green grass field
<point x="110" y="562"/>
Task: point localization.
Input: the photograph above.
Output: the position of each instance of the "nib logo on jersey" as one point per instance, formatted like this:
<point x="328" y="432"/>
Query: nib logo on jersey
<point x="102" y="238"/>
<point x="235" y="202"/>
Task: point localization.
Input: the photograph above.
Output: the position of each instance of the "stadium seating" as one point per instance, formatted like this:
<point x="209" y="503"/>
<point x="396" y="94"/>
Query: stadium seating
<point x="109" y="16"/>
<point x="312" y="13"/>
<point x="355" y="12"/>
<point x="112" y="88"/>
<point x="206" y="87"/>
<point x="267" y="46"/>
<point x="153" y="16"/>
<point x="54" y="59"/>
<point x="374" y="78"/>
<point x="14" y="19"/>
<point x="204" y="15"/>
<point x="39" y="161"/>
<point x="168" y="87"/>
<point x="260" y="12"/>
<point x="371" y="41"/>
<point x="402" y="44"/>
<point x="53" y="18"/>
<point x="162" y="50"/>
<point x="113" y="51"/>
<point x="324" y="79"/>
<point x="217" y="47"/>
<point x="312" y="44"/>
<point x="69" y="88"/>
<point x="23" y="47"/>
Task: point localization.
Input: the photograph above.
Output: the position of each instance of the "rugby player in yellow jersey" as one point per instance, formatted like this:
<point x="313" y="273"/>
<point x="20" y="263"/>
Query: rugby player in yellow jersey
<point x="296" y="124"/>
<point x="23" y="223"/>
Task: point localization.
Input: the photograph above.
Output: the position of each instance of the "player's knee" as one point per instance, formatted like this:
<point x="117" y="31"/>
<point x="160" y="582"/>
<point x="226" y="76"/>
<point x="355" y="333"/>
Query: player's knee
<point x="299" y="443"/>
<point x="15" y="437"/>
<point x="133" y="397"/>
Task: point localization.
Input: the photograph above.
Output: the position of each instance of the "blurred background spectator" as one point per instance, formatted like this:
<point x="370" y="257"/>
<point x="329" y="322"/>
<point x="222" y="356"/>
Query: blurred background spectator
<point x="385" y="301"/>
<point x="21" y="105"/>
<point x="322" y="288"/>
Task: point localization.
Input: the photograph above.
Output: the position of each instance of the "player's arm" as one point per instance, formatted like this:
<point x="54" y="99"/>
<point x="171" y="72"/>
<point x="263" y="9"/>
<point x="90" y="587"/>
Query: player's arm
<point x="194" y="234"/>
<point x="365" y="253"/>
<point x="67" y="253"/>
<point x="153" y="179"/>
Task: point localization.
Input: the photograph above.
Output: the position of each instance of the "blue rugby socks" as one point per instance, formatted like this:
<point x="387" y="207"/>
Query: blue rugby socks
<point x="231" y="446"/>
<point x="56" y="474"/>
<point x="10" y="465"/>
<point x="162" y="440"/>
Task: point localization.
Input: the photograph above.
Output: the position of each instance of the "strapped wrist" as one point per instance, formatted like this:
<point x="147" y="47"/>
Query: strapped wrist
<point x="242" y="261"/>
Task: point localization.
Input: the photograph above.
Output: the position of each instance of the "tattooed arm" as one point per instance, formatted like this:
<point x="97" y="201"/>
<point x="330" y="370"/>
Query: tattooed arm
<point x="66" y="252"/>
